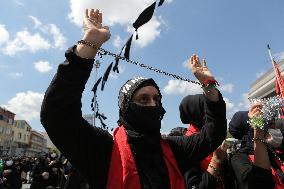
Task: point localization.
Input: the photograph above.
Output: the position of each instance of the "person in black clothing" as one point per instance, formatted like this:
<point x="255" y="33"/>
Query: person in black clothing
<point x="245" y="171"/>
<point x="40" y="174"/>
<point x="212" y="172"/>
<point x="74" y="179"/>
<point x="54" y="169"/>
<point x="12" y="175"/>
<point x="54" y="174"/>
<point x="159" y="162"/>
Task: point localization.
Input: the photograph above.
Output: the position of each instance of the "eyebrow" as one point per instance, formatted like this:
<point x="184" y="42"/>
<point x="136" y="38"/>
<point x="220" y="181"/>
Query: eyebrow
<point x="146" y="94"/>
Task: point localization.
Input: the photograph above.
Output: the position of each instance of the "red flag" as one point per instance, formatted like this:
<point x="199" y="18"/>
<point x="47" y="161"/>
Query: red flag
<point x="279" y="86"/>
<point x="279" y="81"/>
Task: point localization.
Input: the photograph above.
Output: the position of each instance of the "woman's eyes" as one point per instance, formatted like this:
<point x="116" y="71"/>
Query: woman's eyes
<point x="144" y="100"/>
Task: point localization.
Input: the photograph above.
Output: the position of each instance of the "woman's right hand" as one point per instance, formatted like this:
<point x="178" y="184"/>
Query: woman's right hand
<point x="221" y="152"/>
<point x="255" y="110"/>
<point x="95" y="32"/>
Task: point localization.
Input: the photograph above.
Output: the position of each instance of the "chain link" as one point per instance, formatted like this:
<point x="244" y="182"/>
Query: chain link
<point x="275" y="155"/>
<point x="102" y="52"/>
<point x="270" y="149"/>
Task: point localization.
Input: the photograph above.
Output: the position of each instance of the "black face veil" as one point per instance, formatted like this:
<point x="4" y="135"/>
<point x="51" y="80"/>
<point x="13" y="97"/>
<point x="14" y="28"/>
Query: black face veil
<point x="138" y="118"/>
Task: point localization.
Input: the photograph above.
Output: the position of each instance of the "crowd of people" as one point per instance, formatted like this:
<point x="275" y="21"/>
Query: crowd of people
<point x="137" y="156"/>
<point x="48" y="171"/>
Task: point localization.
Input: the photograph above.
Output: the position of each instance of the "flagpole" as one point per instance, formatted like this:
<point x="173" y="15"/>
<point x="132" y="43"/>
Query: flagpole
<point x="273" y="62"/>
<point x="269" y="52"/>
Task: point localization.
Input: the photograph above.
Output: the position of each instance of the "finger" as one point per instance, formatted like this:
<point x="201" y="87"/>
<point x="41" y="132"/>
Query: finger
<point x="106" y="27"/>
<point x="197" y="59"/>
<point x="100" y="18"/>
<point x="191" y="60"/>
<point x="256" y="105"/>
<point x="87" y="13"/>
<point x="95" y="15"/>
<point x="258" y="113"/>
<point x="91" y="15"/>
<point x="194" y="58"/>
<point x="253" y="111"/>
<point x="204" y="63"/>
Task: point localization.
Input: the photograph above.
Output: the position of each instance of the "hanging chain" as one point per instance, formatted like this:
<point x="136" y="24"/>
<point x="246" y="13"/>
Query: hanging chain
<point x="102" y="52"/>
<point x="275" y="154"/>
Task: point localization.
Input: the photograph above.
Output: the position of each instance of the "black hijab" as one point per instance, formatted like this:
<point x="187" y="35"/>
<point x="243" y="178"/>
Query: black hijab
<point x="144" y="120"/>
<point x="192" y="110"/>
<point x="142" y="125"/>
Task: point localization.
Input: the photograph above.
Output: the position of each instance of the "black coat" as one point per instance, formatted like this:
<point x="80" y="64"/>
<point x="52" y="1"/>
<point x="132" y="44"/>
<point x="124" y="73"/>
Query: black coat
<point x="91" y="152"/>
<point x="38" y="182"/>
<point x="13" y="179"/>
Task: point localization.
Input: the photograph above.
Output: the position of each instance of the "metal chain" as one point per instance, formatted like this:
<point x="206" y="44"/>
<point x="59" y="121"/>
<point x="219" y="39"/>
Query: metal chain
<point x="102" y="52"/>
<point x="275" y="154"/>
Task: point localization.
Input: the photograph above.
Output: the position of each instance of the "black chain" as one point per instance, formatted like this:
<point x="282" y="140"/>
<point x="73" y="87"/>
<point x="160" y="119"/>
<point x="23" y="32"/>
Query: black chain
<point x="102" y="52"/>
<point x="270" y="149"/>
<point x="275" y="154"/>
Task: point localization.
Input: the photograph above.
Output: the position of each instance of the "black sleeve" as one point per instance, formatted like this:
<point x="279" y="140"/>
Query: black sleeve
<point x="194" y="178"/>
<point x="88" y="148"/>
<point x="260" y="178"/>
<point x="194" y="148"/>
<point x="36" y="172"/>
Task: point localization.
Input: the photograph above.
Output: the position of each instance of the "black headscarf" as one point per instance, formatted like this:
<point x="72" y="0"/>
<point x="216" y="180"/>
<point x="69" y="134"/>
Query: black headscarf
<point x="142" y="124"/>
<point x="192" y="110"/>
<point x="137" y="118"/>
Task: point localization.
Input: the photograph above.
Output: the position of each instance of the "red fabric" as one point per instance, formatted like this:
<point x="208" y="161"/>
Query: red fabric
<point x="209" y="82"/>
<point x="279" y="85"/>
<point x="205" y="162"/>
<point x="278" y="183"/>
<point x="191" y="130"/>
<point x="123" y="173"/>
<point x="279" y="81"/>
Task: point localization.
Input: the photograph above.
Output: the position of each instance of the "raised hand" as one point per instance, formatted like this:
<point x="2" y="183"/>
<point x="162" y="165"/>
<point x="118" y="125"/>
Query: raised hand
<point x="200" y="71"/>
<point x="95" y="34"/>
<point x="220" y="153"/>
<point x="94" y="30"/>
<point x="255" y="110"/>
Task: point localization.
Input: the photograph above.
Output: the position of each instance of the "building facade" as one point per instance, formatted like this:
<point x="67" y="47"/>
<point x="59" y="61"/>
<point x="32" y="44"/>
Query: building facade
<point x="49" y="143"/>
<point x="22" y="132"/>
<point x="37" y="144"/>
<point x="264" y="86"/>
<point x="6" y="132"/>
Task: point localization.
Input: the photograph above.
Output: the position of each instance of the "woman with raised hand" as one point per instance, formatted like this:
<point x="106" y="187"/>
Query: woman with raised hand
<point x="251" y="164"/>
<point x="136" y="156"/>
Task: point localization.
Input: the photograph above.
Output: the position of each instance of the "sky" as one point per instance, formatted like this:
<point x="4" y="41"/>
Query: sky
<point x="231" y="35"/>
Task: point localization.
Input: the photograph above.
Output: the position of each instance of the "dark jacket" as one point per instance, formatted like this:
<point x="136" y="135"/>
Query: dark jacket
<point x="247" y="175"/>
<point x="13" y="179"/>
<point x="38" y="182"/>
<point x="91" y="152"/>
